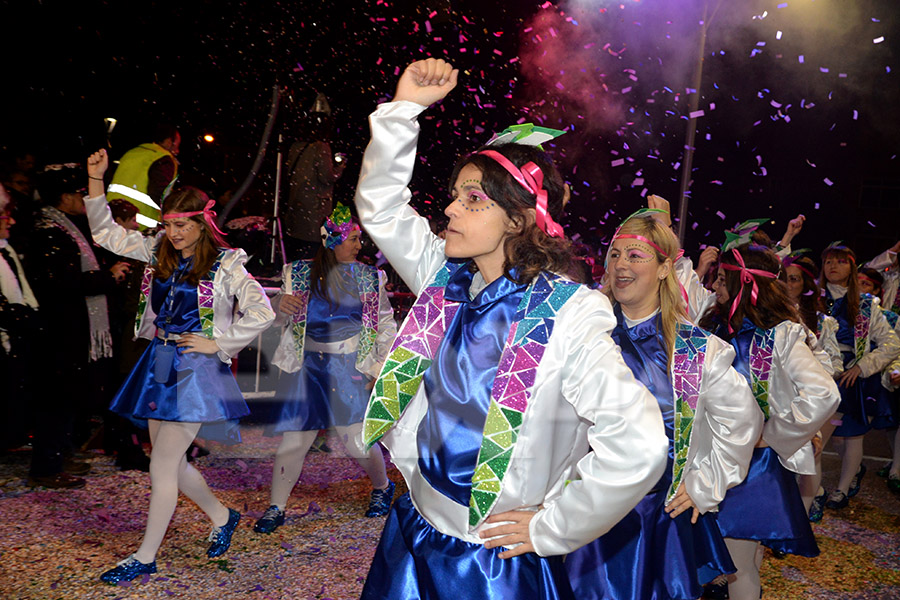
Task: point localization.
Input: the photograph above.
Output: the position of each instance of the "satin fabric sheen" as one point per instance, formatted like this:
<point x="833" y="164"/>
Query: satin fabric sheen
<point x="184" y="315"/>
<point x="649" y="555"/>
<point x="767" y="505"/>
<point x="459" y="383"/>
<point x="328" y="390"/>
<point x="865" y="405"/>
<point x="414" y="561"/>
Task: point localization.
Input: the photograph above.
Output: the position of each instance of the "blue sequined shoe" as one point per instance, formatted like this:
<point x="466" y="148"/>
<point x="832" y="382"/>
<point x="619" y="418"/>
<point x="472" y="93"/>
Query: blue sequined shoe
<point x="271" y="520"/>
<point x="128" y="569"/>
<point x="817" y="508"/>
<point x="855" y="482"/>
<point x="380" y="501"/>
<point x="221" y="536"/>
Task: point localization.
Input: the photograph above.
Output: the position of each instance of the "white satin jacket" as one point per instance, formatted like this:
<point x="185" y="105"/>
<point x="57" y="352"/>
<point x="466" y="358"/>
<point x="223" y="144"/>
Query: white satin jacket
<point x="232" y="282"/>
<point x="584" y="396"/>
<point x="802" y="394"/>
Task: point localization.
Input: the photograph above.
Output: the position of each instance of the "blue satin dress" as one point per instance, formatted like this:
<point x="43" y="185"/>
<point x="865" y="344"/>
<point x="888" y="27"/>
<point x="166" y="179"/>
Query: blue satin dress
<point x="328" y="390"/>
<point x="200" y="387"/>
<point x="414" y="560"/>
<point x="866" y="404"/>
<point x="648" y="555"/>
<point x="766" y="506"/>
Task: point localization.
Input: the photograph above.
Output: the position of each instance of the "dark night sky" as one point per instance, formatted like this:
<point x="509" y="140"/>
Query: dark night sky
<point x="613" y="73"/>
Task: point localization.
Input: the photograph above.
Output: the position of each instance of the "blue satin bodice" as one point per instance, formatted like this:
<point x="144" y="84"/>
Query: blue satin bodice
<point x="181" y="308"/>
<point x="459" y="382"/>
<point x="845" y="333"/>
<point x="644" y="352"/>
<point x="741" y="344"/>
<point x="340" y="319"/>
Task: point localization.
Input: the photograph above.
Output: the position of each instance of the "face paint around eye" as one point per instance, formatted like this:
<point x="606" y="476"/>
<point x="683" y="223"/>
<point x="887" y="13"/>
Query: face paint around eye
<point x="637" y="254"/>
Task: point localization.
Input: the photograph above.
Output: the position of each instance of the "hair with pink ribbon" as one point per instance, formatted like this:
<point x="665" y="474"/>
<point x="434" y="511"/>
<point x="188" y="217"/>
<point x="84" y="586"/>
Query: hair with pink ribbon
<point x="531" y="178"/>
<point x="209" y="215"/>
<point x="791" y="261"/>
<point x="746" y="276"/>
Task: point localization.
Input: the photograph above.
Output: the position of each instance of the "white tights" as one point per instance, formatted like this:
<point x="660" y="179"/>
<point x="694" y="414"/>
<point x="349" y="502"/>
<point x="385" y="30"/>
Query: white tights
<point x="810" y="484"/>
<point x="851" y="451"/>
<point x="747" y="556"/>
<point x="169" y="473"/>
<point x="292" y="451"/>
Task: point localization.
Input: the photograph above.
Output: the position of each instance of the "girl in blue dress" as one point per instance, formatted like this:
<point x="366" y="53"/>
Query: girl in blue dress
<point x="338" y="326"/>
<point x="182" y="385"/>
<point x="868" y="344"/>
<point x="795" y="395"/>
<point x="669" y="546"/>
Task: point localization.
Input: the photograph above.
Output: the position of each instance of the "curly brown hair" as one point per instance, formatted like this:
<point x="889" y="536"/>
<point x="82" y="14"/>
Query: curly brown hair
<point x="773" y="305"/>
<point x="811" y="297"/>
<point x="529" y="250"/>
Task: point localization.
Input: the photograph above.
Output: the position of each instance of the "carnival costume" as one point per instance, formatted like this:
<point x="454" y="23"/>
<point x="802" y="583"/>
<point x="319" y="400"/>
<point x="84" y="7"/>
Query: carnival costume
<point x="490" y="400"/>
<point x="712" y="422"/>
<point x="870" y="344"/>
<point x="197" y="388"/>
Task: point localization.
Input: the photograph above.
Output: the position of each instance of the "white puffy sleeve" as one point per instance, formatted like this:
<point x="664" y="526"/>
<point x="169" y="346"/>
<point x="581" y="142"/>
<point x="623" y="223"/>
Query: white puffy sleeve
<point x="114" y="237"/>
<point x="810" y="398"/>
<point x="732" y="419"/>
<point x="254" y="313"/>
<point x="699" y="298"/>
<point x="827" y="343"/>
<point x="626" y="436"/>
<point x="382" y="197"/>
<point x="885" y="338"/>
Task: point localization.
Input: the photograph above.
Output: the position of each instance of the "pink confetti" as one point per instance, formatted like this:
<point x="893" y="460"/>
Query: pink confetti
<point x="617" y="163"/>
<point x="696" y="114"/>
<point x="828" y="181"/>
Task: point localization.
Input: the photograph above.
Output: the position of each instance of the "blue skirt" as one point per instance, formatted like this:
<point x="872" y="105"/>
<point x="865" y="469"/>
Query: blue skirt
<point x="865" y="406"/>
<point x="648" y="555"/>
<point x="200" y="389"/>
<point x="327" y="391"/>
<point x="415" y="561"/>
<point x="767" y="507"/>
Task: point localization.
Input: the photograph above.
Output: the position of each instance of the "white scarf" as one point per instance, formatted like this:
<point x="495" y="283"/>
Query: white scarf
<point x="15" y="290"/>
<point x="98" y="314"/>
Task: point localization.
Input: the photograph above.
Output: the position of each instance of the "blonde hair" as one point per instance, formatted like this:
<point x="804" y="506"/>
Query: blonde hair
<point x="672" y="310"/>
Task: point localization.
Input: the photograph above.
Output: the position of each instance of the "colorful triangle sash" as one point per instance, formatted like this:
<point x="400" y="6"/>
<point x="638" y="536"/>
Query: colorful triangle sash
<point x="416" y="346"/>
<point x="861" y="327"/>
<point x="891" y="317"/>
<point x="204" y="297"/>
<point x="762" y="348"/>
<point x="367" y="283"/>
<point x="687" y="372"/>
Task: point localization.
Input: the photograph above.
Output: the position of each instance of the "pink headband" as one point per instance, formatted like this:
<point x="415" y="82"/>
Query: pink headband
<point x="531" y="178"/>
<point x="641" y="238"/>
<point x="747" y="276"/>
<point x="788" y="262"/>
<point x="209" y="216"/>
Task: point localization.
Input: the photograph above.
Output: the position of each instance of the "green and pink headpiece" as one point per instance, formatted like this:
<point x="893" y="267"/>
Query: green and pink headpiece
<point x="338" y="227"/>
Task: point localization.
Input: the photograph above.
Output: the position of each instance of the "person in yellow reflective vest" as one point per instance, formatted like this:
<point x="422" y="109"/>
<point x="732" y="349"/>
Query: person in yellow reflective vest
<point x="147" y="173"/>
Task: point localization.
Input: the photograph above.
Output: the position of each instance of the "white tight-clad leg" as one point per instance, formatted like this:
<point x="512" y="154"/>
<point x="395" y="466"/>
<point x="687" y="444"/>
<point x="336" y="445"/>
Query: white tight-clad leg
<point x="169" y="472"/>
<point x="289" y="464"/>
<point x="372" y="460"/>
<point x="894" y="441"/>
<point x="851" y="458"/>
<point x="810" y="484"/>
<point x="747" y="556"/>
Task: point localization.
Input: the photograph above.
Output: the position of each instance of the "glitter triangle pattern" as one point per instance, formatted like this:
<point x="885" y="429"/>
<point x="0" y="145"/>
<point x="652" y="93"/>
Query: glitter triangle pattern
<point x="146" y="285"/>
<point x="411" y="354"/>
<point x="205" y="297"/>
<point x="687" y="372"/>
<point x="511" y="391"/>
<point x="861" y="328"/>
<point x="761" y="354"/>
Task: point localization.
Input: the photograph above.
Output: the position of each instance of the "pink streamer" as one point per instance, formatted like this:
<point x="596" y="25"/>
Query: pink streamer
<point x="747" y="276"/>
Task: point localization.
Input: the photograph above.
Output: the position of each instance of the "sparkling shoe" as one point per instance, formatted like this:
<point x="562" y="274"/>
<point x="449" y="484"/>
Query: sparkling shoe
<point x="837" y="500"/>
<point x="221" y="536"/>
<point x="857" y="479"/>
<point x="817" y="508"/>
<point x="380" y="501"/>
<point x="128" y="569"/>
<point x="271" y="520"/>
<point x="715" y="591"/>
<point x="884" y="471"/>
